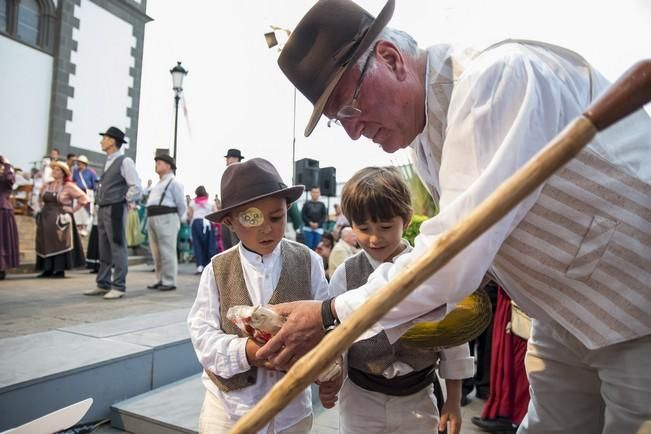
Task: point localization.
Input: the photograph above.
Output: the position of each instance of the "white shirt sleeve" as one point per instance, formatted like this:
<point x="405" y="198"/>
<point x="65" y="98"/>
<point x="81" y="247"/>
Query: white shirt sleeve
<point x="456" y="363"/>
<point x="338" y="284"/>
<point x="317" y="277"/>
<point x="504" y="109"/>
<point x="221" y="353"/>
<point x="130" y="174"/>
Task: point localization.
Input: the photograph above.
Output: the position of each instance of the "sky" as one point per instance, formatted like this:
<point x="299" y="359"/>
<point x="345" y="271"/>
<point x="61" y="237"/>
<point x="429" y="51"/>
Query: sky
<point x="237" y="97"/>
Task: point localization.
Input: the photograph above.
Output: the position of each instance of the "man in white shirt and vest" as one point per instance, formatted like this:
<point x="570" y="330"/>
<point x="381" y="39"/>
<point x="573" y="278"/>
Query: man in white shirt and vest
<point x="118" y="186"/>
<point x="574" y="254"/>
<point x="165" y="206"/>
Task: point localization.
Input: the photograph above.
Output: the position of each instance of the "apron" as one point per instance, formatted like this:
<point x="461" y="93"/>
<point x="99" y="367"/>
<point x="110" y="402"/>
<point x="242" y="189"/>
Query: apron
<point x="54" y="227"/>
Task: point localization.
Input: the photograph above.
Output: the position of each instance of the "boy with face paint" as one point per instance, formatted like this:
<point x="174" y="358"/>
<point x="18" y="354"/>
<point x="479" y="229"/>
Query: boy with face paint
<point x="262" y="269"/>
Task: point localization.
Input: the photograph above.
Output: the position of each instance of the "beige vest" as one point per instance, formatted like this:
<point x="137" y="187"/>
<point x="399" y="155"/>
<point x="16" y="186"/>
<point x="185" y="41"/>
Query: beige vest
<point x="294" y="284"/>
<point x="582" y="254"/>
<point x="376" y="354"/>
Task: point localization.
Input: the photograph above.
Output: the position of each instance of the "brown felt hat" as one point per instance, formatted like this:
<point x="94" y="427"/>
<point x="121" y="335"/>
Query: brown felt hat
<point x="246" y="182"/>
<point x="325" y="44"/>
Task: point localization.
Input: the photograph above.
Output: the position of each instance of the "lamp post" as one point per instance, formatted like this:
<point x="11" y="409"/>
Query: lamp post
<point x="278" y="37"/>
<point x="178" y="74"/>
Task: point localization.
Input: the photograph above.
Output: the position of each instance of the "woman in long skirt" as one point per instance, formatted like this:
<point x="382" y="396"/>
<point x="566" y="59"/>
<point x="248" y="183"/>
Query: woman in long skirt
<point x="203" y="233"/>
<point x="58" y="246"/>
<point x="9" y="253"/>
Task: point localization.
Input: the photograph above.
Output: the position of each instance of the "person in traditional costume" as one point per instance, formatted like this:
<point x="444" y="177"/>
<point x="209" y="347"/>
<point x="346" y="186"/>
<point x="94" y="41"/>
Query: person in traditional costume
<point x="58" y="245"/>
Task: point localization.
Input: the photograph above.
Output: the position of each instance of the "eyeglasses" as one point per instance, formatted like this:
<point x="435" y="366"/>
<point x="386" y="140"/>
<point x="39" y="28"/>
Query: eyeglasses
<point x="350" y="110"/>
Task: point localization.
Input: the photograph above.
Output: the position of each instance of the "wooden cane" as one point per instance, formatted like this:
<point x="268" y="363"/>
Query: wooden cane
<point x="628" y="94"/>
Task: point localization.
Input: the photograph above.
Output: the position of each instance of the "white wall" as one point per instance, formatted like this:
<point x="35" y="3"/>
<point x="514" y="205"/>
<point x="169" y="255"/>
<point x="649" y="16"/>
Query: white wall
<point x="101" y="82"/>
<point x="25" y="87"/>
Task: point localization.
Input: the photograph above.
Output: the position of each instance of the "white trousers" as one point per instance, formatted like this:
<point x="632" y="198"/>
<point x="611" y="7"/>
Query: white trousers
<point x="366" y="412"/>
<point x="163" y="232"/>
<point x="215" y="420"/>
<point x="577" y="390"/>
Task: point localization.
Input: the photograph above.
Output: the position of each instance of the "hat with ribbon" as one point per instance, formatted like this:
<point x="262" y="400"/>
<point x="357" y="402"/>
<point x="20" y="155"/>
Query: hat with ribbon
<point x="327" y="43"/>
<point x="252" y="180"/>
<point x="235" y="153"/>
<point x="116" y="133"/>
<point x="166" y="158"/>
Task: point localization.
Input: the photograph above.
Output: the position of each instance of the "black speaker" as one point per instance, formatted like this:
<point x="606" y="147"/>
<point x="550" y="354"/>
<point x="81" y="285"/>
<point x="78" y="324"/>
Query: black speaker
<point x="307" y="172"/>
<point x="328" y="181"/>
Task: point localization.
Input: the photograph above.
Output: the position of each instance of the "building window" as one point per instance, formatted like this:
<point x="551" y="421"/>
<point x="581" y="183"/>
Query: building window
<point x="3" y="15"/>
<point x="27" y="23"/>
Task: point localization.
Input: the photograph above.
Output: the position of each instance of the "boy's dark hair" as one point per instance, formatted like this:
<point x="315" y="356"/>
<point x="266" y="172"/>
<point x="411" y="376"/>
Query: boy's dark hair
<point x="376" y="194"/>
<point x="71" y="155"/>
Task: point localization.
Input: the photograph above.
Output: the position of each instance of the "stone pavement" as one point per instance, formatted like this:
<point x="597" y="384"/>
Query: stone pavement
<point x="30" y="305"/>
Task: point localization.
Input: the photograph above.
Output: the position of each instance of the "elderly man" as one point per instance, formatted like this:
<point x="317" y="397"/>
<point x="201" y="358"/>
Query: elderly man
<point x="119" y="185"/>
<point x="345" y="248"/>
<point x="574" y="254"/>
<point x="165" y="206"/>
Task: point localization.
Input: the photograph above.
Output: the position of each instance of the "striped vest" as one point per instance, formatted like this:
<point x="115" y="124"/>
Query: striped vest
<point x="581" y="255"/>
<point x="294" y="284"/>
<point x="376" y="354"/>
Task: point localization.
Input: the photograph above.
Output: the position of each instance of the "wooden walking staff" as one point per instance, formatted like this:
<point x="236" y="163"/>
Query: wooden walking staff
<point x="627" y="95"/>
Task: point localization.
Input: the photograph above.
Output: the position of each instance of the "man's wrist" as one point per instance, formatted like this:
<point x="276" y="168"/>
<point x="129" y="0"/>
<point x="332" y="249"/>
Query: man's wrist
<point x="328" y="315"/>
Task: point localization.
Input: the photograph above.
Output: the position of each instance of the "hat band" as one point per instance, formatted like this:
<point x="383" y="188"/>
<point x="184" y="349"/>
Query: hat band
<point x="251" y="192"/>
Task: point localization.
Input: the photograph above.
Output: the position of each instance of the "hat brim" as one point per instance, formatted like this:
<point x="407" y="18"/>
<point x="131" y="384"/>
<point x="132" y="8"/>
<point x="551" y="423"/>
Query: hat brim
<point x="374" y="29"/>
<point x="291" y="193"/>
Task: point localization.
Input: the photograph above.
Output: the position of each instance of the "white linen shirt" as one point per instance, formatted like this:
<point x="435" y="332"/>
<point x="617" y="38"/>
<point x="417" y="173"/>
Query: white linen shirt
<point x="455" y="363"/>
<point x="225" y="354"/>
<point x="505" y="106"/>
<point x="172" y="196"/>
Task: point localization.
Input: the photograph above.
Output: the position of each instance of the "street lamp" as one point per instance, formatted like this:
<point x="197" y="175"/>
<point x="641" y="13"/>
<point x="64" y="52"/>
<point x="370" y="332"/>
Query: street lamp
<point x="178" y="74"/>
<point x="278" y="37"/>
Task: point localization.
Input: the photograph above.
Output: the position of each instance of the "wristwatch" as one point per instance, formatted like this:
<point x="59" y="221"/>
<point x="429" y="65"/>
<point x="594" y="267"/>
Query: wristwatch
<point x="329" y="320"/>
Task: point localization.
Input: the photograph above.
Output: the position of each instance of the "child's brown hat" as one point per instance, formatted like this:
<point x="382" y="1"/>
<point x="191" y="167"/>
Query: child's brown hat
<point x="249" y="181"/>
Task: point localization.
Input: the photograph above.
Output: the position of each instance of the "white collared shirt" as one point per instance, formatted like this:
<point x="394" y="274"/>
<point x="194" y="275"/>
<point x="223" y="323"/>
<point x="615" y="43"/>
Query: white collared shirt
<point x="455" y="363"/>
<point x="225" y="354"/>
<point x="505" y="106"/>
<point x="172" y="195"/>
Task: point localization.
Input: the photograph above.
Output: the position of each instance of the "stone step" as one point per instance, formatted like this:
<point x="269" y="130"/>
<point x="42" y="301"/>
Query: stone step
<point x="170" y="409"/>
<point x="109" y="361"/>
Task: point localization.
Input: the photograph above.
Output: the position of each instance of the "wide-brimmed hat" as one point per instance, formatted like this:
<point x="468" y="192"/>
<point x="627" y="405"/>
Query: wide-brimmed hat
<point x="246" y="182"/>
<point x="116" y="133"/>
<point x="82" y="159"/>
<point x="234" y="153"/>
<point x="327" y="43"/>
<point x="61" y="165"/>
<point x="166" y="158"/>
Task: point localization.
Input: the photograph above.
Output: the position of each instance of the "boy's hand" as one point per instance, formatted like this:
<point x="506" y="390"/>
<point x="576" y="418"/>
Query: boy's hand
<point x="252" y="348"/>
<point x="328" y="390"/>
<point x="451" y="413"/>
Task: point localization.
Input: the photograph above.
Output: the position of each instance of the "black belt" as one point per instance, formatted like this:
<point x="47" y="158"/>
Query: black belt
<point x="154" y="210"/>
<point x="401" y="385"/>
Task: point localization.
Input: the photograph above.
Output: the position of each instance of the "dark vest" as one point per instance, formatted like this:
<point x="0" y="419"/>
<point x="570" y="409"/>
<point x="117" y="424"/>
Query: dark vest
<point x="113" y="187"/>
<point x="376" y="354"/>
<point x="294" y="284"/>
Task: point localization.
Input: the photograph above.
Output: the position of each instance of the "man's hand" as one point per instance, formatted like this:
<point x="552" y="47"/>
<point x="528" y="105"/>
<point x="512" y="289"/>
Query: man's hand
<point x="303" y="329"/>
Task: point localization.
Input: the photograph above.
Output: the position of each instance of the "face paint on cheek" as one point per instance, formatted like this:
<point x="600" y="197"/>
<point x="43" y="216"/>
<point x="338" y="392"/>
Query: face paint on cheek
<point x="251" y="218"/>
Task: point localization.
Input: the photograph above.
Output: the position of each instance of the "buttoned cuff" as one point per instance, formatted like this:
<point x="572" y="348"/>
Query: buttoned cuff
<point x="457" y="369"/>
